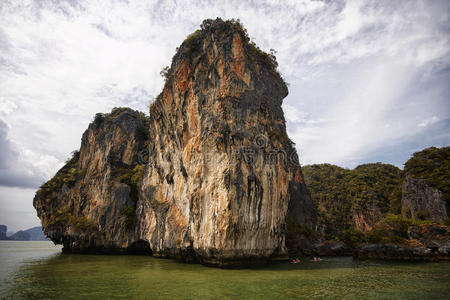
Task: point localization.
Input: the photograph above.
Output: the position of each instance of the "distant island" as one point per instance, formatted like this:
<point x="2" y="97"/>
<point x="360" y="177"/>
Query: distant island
<point x="31" y="234"/>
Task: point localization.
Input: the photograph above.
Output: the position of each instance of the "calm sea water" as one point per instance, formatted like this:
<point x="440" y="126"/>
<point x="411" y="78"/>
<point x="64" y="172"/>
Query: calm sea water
<point x="36" y="270"/>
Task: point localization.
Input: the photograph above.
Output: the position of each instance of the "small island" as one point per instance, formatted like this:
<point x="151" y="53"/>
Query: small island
<point x="211" y="176"/>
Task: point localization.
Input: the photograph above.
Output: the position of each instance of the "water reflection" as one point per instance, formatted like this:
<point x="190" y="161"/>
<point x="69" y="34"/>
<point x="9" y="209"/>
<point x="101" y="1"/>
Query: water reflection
<point x="71" y="276"/>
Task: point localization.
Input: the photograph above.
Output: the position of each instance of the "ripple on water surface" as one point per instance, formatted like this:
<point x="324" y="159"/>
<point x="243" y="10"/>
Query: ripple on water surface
<point x="40" y="271"/>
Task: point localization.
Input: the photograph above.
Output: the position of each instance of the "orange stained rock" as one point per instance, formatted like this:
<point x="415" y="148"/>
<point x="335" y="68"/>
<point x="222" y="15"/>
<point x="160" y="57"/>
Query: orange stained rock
<point x="238" y="56"/>
<point x="193" y="122"/>
<point x="223" y="80"/>
<point x="159" y="196"/>
<point x="282" y="178"/>
<point x="414" y="243"/>
<point x="188" y="150"/>
<point x="182" y="76"/>
<point x="167" y="96"/>
<point x="176" y="214"/>
<point x="298" y="177"/>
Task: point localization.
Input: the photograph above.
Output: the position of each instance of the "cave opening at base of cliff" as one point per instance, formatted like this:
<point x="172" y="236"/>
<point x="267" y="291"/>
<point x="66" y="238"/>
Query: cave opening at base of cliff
<point x="140" y="247"/>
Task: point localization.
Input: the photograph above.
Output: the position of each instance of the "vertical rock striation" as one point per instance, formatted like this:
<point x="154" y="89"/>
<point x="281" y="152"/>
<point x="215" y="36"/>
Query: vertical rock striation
<point x="353" y="199"/>
<point x="212" y="178"/>
<point x="222" y="170"/>
<point x="426" y="188"/>
<point x="422" y="201"/>
<point x="89" y="204"/>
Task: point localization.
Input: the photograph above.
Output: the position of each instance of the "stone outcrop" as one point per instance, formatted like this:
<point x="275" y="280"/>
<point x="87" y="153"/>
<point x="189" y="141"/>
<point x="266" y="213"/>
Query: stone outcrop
<point x="426" y="243"/>
<point x="394" y="252"/>
<point x="426" y="188"/>
<point x="352" y="199"/>
<point x="422" y="201"/>
<point x="365" y="219"/>
<point x="210" y="176"/>
<point x="89" y="204"/>
<point x="331" y="248"/>
<point x="360" y="210"/>
<point x="435" y="237"/>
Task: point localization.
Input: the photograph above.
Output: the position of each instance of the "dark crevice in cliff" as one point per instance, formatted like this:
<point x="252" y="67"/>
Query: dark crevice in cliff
<point x="194" y="180"/>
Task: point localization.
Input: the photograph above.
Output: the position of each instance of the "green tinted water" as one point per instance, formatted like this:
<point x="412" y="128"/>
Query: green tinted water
<point x="31" y="270"/>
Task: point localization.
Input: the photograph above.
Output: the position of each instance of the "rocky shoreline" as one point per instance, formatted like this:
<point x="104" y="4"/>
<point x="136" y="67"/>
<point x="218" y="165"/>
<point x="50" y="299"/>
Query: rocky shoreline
<point x="425" y="243"/>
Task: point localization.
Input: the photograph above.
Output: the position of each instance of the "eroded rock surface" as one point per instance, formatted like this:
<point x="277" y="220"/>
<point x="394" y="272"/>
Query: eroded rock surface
<point x="212" y="178"/>
<point x="422" y="201"/>
<point x="89" y="204"/>
<point x="429" y="242"/>
<point x="426" y="188"/>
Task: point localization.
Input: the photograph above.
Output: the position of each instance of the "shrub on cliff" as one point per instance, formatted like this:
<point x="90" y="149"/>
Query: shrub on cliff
<point x="433" y="166"/>
<point x="68" y="175"/>
<point x="62" y="216"/>
<point x="130" y="175"/>
<point x="338" y="193"/>
<point x="127" y="217"/>
<point x="115" y="112"/>
<point x="98" y="119"/>
<point x="193" y="40"/>
<point x="391" y="229"/>
<point x="373" y="189"/>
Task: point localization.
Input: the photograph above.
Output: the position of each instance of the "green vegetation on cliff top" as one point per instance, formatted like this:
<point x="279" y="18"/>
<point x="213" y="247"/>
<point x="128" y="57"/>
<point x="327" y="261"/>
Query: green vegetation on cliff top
<point x="433" y="166"/>
<point x="193" y="41"/>
<point x="338" y="192"/>
<point x="376" y="189"/>
<point x="69" y="175"/>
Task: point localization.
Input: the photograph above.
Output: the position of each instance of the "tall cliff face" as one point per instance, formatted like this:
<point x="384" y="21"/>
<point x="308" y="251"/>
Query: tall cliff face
<point x="422" y="201"/>
<point x="352" y="199"/>
<point x="222" y="170"/>
<point x="89" y="203"/>
<point x="426" y="188"/>
<point x="376" y="203"/>
<point x="213" y="179"/>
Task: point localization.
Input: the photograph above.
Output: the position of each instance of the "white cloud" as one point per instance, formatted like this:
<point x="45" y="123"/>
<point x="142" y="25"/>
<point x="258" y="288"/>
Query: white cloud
<point x="6" y="107"/>
<point x="428" y="121"/>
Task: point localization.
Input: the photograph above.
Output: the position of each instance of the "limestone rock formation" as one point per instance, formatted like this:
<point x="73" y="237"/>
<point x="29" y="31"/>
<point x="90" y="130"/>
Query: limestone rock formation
<point x="422" y="201"/>
<point x="426" y="188"/>
<point x="352" y="199"/>
<point x="433" y="236"/>
<point x="427" y="242"/>
<point x="210" y="176"/>
<point x="89" y="203"/>
<point x="375" y="208"/>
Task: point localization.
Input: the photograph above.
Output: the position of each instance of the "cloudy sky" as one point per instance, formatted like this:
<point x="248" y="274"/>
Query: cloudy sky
<point x="369" y="80"/>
